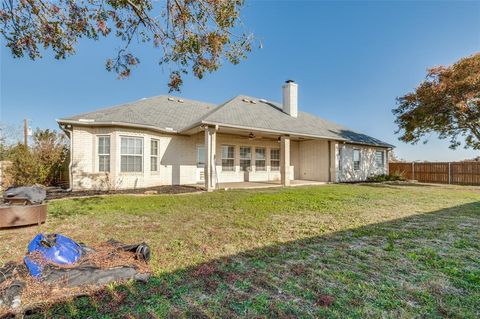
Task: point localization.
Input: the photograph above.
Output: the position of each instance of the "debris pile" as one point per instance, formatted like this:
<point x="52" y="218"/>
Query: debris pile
<point x="56" y="267"/>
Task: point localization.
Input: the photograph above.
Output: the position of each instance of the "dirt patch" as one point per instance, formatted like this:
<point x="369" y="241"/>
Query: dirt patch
<point x="157" y="190"/>
<point x="325" y="300"/>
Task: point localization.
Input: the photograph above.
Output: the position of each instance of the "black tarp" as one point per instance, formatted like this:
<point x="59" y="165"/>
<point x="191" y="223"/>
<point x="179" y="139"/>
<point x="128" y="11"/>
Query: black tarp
<point x="33" y="194"/>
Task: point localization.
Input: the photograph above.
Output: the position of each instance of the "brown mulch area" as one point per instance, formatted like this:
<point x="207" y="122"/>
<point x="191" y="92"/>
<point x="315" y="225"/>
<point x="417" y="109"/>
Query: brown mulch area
<point x="56" y="193"/>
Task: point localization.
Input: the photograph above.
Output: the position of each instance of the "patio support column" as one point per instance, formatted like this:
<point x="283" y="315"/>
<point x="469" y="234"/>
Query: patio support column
<point x="285" y="160"/>
<point x="210" y="154"/>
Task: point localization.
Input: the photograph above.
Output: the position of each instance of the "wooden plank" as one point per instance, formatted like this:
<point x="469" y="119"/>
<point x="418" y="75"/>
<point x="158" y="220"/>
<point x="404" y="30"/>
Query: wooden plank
<point x="461" y="173"/>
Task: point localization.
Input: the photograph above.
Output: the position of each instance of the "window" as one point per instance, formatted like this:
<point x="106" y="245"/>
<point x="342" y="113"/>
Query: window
<point x="201" y="156"/>
<point x="275" y="159"/>
<point x="131" y="154"/>
<point x="228" y="156"/>
<point x="245" y="158"/>
<point x="104" y="153"/>
<point x="154" y="155"/>
<point x="379" y="158"/>
<point x="260" y="159"/>
<point x="356" y="159"/>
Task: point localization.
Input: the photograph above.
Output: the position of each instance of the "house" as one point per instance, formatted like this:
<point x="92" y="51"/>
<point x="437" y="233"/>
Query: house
<point x="166" y="140"/>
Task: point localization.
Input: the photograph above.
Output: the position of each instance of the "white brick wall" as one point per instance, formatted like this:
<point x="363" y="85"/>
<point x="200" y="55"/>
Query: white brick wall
<point x="177" y="160"/>
<point x="368" y="166"/>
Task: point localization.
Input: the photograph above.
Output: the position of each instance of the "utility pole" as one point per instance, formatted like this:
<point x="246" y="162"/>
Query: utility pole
<point x="25" y="132"/>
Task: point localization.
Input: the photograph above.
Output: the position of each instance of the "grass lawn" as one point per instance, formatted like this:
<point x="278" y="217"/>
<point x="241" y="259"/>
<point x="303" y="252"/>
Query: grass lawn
<point x="357" y="251"/>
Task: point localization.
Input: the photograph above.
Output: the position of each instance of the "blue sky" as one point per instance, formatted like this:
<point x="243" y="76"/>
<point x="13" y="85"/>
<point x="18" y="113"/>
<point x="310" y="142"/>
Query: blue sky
<point x="350" y="59"/>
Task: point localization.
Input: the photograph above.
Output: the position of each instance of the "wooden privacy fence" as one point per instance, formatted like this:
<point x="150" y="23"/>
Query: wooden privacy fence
<point x="461" y="173"/>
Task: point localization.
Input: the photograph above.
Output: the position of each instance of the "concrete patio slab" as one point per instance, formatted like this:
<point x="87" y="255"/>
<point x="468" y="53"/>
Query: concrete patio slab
<point x="253" y="185"/>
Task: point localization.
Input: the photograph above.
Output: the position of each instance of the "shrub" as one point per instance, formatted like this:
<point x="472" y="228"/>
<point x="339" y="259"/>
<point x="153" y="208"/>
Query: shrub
<point x="395" y="176"/>
<point x="23" y="168"/>
<point x="40" y="163"/>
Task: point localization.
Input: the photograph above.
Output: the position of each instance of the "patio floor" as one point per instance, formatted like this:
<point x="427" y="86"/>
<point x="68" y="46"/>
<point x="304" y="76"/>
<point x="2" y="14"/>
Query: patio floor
<point x="250" y="185"/>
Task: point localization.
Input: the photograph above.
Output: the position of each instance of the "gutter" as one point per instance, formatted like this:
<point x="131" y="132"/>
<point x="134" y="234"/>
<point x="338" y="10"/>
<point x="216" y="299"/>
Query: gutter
<point x="124" y="124"/>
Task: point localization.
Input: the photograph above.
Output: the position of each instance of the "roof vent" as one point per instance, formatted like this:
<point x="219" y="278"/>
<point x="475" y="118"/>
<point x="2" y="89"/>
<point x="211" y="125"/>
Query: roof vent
<point x="171" y="99"/>
<point x="246" y="100"/>
<point x="180" y="101"/>
<point x="263" y="101"/>
<point x="253" y="102"/>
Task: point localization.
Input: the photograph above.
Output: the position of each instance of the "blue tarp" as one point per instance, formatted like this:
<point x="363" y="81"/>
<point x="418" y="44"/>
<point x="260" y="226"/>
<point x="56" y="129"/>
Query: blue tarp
<point x="54" y="248"/>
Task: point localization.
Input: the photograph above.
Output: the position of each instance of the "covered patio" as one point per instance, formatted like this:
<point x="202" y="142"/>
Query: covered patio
<point x="301" y="160"/>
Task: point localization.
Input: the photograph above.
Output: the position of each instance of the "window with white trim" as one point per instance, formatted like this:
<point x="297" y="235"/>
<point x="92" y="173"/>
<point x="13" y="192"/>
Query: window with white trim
<point x="154" y="155"/>
<point x="131" y="154"/>
<point x="245" y="158"/>
<point x="228" y="158"/>
<point x="260" y="159"/>
<point x="275" y="159"/>
<point x="201" y="156"/>
<point x="104" y="153"/>
<point x="356" y="159"/>
<point x="380" y="158"/>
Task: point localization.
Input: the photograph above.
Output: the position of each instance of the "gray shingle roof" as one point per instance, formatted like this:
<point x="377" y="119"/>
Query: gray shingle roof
<point x="158" y="111"/>
<point x="162" y="112"/>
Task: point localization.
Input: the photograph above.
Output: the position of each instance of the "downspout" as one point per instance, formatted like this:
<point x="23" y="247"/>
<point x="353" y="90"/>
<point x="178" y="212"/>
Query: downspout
<point x="70" y="164"/>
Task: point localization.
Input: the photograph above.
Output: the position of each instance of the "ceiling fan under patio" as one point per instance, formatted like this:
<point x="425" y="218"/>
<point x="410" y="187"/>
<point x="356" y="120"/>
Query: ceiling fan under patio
<point x="252" y="136"/>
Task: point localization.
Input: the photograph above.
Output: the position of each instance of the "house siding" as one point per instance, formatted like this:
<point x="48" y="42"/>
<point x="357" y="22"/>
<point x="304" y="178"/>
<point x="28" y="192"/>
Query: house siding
<point x="309" y="159"/>
<point x="177" y="159"/>
<point x="345" y="170"/>
<point x="314" y="160"/>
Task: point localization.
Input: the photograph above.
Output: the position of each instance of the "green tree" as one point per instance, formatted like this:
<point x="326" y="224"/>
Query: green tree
<point x="191" y="35"/>
<point x="447" y="102"/>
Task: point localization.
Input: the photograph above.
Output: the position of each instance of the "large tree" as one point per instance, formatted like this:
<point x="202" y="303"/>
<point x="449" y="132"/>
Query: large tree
<point x="447" y="102"/>
<point x="192" y="35"/>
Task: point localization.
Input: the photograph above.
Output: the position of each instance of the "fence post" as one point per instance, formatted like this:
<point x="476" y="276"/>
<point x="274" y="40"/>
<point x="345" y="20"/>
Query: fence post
<point x="413" y="170"/>
<point x="449" y="172"/>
